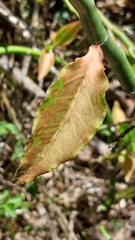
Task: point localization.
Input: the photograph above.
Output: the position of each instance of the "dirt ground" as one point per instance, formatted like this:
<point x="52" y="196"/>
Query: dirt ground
<point x="66" y="203"/>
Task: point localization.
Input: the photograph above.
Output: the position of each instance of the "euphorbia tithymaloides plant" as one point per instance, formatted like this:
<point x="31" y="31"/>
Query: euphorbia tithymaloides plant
<point x="75" y="106"/>
<point x="97" y="34"/>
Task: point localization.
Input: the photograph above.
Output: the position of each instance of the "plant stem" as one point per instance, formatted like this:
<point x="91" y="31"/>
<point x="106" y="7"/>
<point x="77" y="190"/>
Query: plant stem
<point x="104" y="232"/>
<point x="97" y="34"/>
<point x="118" y="33"/>
<point x="19" y="50"/>
<point x="25" y="50"/>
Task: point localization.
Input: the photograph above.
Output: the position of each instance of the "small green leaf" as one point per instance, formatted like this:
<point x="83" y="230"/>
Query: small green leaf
<point x="66" y="34"/>
<point x="2" y="212"/>
<point x="105" y="233"/>
<point x="18" y="150"/>
<point x="16" y="200"/>
<point x="27" y="228"/>
<point x="6" y="127"/>
<point x="32" y="188"/>
<point x="128" y="193"/>
<point x="4" y="195"/>
<point x="10" y="211"/>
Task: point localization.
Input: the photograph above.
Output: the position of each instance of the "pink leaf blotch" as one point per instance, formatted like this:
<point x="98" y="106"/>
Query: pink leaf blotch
<point x="69" y="117"/>
<point x="46" y="60"/>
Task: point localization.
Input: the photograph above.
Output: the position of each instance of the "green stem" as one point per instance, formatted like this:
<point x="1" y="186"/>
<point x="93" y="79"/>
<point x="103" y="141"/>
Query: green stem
<point x="118" y="33"/>
<point x="104" y="232"/>
<point x="25" y="50"/>
<point x="97" y="34"/>
<point x="19" y="50"/>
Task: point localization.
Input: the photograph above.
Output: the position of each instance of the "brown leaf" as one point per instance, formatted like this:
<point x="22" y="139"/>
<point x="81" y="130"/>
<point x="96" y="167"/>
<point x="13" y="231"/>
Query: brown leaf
<point x="127" y="162"/>
<point x="46" y="60"/>
<point x="118" y="114"/>
<point x="75" y="107"/>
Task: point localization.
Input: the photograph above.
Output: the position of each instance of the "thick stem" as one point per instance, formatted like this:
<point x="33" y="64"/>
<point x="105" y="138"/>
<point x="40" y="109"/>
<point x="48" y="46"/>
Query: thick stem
<point x="118" y="32"/>
<point x="97" y="34"/>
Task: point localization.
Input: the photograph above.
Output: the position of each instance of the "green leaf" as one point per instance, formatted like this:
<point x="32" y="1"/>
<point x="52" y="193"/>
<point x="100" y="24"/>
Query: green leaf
<point x="3" y="129"/>
<point x="12" y="129"/>
<point x="104" y="232"/>
<point x="27" y="228"/>
<point x="128" y="193"/>
<point x="66" y="34"/>
<point x="18" y="150"/>
<point x="6" y="127"/>
<point x="2" y="212"/>
<point x="69" y="117"/>
<point x="4" y="195"/>
<point x="16" y="200"/>
<point x="10" y="211"/>
<point x="32" y="188"/>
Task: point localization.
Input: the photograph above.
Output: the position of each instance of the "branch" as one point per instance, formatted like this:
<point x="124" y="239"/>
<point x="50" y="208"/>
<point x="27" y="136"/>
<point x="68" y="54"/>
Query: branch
<point x="97" y="34"/>
<point x="27" y="83"/>
<point x="19" y="50"/>
<point x="118" y="32"/>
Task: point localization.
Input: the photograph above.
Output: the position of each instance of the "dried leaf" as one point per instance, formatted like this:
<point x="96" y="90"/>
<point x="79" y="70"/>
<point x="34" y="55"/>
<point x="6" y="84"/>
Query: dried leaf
<point x="118" y="114"/>
<point x="46" y="60"/>
<point x="75" y="107"/>
<point x="127" y="162"/>
<point x="66" y="34"/>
